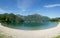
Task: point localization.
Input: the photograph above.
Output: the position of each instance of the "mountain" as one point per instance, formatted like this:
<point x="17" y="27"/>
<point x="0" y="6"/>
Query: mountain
<point x="36" y="18"/>
<point x="11" y="18"/>
<point x="55" y="19"/>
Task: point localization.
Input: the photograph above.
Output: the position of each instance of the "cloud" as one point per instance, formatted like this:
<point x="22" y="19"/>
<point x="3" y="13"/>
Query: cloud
<point x="3" y="11"/>
<point x="26" y="4"/>
<point x="53" y="5"/>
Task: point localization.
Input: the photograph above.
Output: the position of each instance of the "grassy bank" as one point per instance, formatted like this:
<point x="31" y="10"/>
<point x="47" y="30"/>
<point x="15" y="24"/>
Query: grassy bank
<point x="4" y="35"/>
<point x="57" y="36"/>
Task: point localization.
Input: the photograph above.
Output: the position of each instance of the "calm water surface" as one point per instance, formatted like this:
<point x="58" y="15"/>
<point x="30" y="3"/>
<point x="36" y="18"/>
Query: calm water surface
<point x="32" y="26"/>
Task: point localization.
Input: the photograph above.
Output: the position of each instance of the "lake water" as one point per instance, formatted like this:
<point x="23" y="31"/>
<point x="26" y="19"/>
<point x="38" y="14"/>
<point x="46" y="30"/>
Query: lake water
<point x="32" y="26"/>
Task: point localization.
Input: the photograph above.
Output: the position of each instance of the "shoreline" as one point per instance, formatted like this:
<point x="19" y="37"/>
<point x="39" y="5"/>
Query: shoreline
<point x="46" y="33"/>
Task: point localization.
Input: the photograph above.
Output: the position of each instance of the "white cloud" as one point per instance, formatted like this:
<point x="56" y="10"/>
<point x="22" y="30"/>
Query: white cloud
<point x="26" y="4"/>
<point x="23" y="10"/>
<point x="53" y="5"/>
<point x="3" y="11"/>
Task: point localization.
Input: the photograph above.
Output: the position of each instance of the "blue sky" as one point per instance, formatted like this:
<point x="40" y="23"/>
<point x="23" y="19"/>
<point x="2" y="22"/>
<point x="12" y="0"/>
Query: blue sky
<point x="50" y="8"/>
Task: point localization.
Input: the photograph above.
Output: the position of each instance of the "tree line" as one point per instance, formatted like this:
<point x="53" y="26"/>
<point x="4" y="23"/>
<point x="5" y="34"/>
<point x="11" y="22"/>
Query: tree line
<point x="10" y="18"/>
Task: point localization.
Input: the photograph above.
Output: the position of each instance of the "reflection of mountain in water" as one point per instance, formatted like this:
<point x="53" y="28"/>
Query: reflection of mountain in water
<point x="33" y="26"/>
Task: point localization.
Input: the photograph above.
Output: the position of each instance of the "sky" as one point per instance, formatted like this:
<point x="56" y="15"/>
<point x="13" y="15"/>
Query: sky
<point x="50" y="8"/>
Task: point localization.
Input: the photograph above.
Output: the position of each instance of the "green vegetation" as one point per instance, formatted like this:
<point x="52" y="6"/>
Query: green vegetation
<point x="12" y="18"/>
<point x="55" y="20"/>
<point x="57" y="36"/>
<point x="4" y="36"/>
<point x="36" y="18"/>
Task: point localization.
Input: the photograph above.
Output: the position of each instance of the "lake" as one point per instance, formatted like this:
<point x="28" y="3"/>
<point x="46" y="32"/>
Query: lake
<point x="32" y="25"/>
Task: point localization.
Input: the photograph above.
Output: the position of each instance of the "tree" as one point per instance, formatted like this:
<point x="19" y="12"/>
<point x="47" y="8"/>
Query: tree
<point x="10" y="18"/>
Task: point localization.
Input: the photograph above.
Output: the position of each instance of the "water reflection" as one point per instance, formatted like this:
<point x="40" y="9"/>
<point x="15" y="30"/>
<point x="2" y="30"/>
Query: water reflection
<point x="32" y="26"/>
